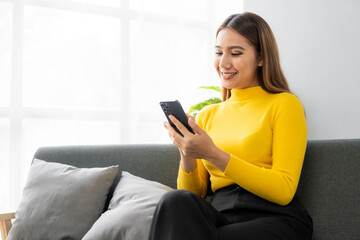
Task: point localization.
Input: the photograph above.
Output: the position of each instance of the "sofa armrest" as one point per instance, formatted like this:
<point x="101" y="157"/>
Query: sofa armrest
<point x="5" y="224"/>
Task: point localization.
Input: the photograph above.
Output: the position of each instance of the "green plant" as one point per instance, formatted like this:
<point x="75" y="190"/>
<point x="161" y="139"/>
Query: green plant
<point x="194" y="109"/>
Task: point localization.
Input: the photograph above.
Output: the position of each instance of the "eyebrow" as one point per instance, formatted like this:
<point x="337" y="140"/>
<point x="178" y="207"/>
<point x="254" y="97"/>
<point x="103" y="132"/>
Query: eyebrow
<point x="231" y="47"/>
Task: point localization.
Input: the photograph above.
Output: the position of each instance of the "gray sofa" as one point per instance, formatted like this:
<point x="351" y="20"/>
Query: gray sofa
<point x="329" y="185"/>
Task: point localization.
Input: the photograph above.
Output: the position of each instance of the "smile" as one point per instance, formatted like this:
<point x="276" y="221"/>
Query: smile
<point x="229" y="74"/>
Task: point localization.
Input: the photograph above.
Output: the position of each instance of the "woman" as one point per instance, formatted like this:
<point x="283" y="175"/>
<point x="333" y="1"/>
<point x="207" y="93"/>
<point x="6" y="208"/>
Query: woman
<point x="250" y="148"/>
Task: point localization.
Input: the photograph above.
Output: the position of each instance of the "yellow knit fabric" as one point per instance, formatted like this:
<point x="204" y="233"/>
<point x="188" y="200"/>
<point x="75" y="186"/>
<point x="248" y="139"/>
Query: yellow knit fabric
<point x="266" y="136"/>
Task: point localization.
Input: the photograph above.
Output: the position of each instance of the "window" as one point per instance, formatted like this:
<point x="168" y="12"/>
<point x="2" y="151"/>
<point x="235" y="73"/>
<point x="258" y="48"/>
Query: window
<point x="94" y="72"/>
<point x="5" y="53"/>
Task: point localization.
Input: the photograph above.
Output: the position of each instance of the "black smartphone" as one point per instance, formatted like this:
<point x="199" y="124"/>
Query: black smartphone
<point x="174" y="108"/>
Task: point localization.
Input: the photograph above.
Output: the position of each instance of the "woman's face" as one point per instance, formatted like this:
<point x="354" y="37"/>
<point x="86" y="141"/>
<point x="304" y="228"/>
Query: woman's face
<point x="236" y="60"/>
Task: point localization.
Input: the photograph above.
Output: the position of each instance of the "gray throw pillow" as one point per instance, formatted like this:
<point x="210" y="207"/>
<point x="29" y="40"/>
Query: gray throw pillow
<point x="130" y="211"/>
<point x="61" y="201"/>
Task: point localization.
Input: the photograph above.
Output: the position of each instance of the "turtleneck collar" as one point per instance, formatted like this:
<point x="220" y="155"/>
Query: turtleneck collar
<point x="247" y="94"/>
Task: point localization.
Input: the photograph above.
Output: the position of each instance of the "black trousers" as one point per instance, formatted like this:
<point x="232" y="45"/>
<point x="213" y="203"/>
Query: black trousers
<point x="233" y="213"/>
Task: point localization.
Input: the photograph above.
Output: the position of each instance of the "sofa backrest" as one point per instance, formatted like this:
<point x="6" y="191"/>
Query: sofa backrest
<point x="329" y="185"/>
<point x="329" y="188"/>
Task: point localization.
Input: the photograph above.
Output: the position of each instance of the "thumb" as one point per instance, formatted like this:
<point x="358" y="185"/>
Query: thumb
<point x="197" y="129"/>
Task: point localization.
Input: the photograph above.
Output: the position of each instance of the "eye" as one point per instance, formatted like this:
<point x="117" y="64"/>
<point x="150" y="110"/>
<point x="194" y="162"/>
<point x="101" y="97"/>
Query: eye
<point x="236" y="53"/>
<point x="218" y="53"/>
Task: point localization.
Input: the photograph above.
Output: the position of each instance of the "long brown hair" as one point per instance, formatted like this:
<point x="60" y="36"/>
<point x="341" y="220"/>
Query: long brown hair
<point x="259" y="34"/>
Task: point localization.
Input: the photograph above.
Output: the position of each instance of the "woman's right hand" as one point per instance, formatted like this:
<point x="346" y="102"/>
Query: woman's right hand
<point x="188" y="164"/>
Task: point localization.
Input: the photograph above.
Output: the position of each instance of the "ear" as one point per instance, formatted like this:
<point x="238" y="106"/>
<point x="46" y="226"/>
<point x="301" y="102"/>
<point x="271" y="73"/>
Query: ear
<point x="260" y="61"/>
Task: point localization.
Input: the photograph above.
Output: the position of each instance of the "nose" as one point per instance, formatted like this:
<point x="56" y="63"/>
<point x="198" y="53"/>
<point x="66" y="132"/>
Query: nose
<point x="225" y="62"/>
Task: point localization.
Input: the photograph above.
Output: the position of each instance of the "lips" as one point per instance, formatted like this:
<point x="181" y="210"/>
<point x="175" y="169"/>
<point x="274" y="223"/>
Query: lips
<point x="228" y="75"/>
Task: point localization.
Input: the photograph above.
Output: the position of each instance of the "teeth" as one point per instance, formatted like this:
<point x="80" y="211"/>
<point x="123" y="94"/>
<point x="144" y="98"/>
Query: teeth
<point x="229" y="74"/>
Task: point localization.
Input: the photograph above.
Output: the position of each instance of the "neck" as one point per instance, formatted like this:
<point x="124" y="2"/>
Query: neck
<point x="247" y="93"/>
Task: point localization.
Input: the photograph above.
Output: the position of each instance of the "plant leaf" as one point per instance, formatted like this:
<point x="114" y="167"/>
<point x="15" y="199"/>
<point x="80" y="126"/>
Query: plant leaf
<point x="194" y="109"/>
<point x="215" y="88"/>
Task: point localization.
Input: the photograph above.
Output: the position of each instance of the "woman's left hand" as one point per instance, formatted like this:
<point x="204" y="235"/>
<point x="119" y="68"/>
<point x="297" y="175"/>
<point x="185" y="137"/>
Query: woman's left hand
<point x="198" y="144"/>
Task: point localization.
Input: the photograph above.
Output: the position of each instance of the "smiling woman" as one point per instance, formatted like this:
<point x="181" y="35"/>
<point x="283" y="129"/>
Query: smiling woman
<point x="250" y="148"/>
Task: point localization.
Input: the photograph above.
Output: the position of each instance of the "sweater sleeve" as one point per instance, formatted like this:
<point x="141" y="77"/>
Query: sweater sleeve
<point x="279" y="183"/>
<point x="197" y="180"/>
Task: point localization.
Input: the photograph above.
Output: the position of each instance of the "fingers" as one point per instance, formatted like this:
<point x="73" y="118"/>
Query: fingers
<point x="194" y="126"/>
<point x="190" y="116"/>
<point x="179" y="125"/>
<point x="191" y="145"/>
<point x="174" y="136"/>
<point x="171" y="131"/>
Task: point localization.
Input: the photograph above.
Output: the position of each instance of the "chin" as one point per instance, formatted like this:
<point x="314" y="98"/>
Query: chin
<point x="227" y="84"/>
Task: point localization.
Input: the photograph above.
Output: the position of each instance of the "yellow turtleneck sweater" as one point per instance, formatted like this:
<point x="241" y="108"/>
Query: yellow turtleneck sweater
<point x="266" y="136"/>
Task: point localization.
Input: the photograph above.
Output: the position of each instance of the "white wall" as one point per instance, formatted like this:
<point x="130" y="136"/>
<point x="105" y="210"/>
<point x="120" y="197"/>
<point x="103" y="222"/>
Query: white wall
<point x="319" y="43"/>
